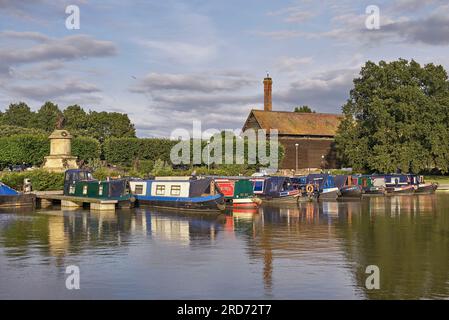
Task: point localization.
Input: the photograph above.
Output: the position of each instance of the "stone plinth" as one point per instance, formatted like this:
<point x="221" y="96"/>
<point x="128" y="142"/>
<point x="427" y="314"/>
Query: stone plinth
<point x="60" y="158"/>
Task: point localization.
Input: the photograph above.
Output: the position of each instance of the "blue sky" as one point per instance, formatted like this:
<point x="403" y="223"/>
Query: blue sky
<point x="166" y="63"/>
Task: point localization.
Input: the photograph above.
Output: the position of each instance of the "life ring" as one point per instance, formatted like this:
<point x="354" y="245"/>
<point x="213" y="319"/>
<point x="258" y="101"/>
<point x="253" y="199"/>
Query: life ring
<point x="309" y="188"/>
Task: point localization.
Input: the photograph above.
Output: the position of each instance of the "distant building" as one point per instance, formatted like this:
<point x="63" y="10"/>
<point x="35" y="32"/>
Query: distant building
<point x="313" y="133"/>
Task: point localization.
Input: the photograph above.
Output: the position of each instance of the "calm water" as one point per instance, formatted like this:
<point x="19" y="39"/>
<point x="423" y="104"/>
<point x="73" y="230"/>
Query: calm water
<point x="314" y="250"/>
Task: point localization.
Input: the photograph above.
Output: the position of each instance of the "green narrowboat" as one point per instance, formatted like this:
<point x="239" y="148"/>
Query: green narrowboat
<point x="80" y="183"/>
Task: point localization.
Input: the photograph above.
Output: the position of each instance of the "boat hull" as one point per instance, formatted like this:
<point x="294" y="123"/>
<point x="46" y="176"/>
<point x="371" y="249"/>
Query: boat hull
<point x="246" y="203"/>
<point x="329" y="194"/>
<point x="374" y="191"/>
<point x="351" y="192"/>
<point x="212" y="204"/>
<point x="16" y="201"/>
<point x="400" y="190"/>
<point x="427" y="188"/>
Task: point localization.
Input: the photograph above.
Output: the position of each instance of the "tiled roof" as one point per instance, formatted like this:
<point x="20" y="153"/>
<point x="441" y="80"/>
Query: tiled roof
<point x="297" y="123"/>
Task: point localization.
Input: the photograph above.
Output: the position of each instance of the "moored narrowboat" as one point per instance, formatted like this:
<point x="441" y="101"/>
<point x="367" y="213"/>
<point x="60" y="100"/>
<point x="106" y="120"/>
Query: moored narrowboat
<point x="10" y="198"/>
<point x="347" y="188"/>
<point x="275" y="189"/>
<point x="323" y="185"/>
<point x="421" y="186"/>
<point x="80" y="183"/>
<point x="181" y="193"/>
<point x="397" y="184"/>
<point x="238" y="192"/>
<point x="372" y="185"/>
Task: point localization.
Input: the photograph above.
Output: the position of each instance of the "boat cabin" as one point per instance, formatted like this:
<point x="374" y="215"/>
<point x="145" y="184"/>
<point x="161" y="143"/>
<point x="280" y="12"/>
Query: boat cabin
<point x="80" y="183"/>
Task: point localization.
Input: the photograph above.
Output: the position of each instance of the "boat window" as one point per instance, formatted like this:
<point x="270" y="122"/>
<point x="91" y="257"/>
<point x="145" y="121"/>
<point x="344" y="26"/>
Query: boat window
<point x="175" y="190"/>
<point x="258" y="186"/>
<point x="84" y="190"/>
<point x="160" y="190"/>
<point x="100" y="190"/>
<point x="138" y="189"/>
<point x="72" y="189"/>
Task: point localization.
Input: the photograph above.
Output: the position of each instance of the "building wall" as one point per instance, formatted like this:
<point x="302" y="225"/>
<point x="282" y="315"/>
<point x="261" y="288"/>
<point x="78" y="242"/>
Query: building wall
<point x="310" y="152"/>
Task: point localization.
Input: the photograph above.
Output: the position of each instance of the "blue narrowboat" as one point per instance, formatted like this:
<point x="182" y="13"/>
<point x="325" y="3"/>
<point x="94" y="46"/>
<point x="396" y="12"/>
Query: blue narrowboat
<point x="275" y="189"/>
<point x="347" y="187"/>
<point x="10" y="198"/>
<point x="181" y="193"/>
<point x="398" y="184"/>
<point x="421" y="186"/>
<point x="323" y="185"/>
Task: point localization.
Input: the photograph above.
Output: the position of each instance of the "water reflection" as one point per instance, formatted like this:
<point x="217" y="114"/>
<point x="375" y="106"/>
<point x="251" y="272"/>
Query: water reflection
<point x="305" y="250"/>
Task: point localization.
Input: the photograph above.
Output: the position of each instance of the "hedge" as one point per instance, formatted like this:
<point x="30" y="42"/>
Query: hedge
<point x="41" y="179"/>
<point x="32" y="149"/>
<point x="125" y="151"/>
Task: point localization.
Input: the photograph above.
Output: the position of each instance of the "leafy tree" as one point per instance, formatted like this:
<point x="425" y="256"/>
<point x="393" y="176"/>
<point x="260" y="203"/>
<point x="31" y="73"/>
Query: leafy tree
<point x="75" y="117"/>
<point x="103" y="125"/>
<point x="46" y="116"/>
<point x="304" y="109"/>
<point x="397" y="118"/>
<point x="18" y="114"/>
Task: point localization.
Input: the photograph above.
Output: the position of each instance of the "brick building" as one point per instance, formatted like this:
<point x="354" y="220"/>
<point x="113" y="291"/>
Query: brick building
<point x="308" y="138"/>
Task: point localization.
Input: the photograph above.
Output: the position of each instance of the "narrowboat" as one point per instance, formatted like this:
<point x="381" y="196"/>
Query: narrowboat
<point x="80" y="183"/>
<point x="275" y="189"/>
<point x="371" y="185"/>
<point x="238" y="192"/>
<point x="398" y="184"/>
<point x="421" y="186"/>
<point x="347" y="187"/>
<point x="181" y="193"/>
<point x="323" y="185"/>
<point x="10" y="198"/>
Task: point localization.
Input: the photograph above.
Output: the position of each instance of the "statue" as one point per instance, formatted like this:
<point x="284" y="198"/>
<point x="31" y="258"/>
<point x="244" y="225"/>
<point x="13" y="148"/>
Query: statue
<point x="60" y="122"/>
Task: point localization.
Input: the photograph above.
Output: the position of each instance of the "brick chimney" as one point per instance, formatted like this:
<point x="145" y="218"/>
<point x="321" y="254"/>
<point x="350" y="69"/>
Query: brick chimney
<point x="267" y="104"/>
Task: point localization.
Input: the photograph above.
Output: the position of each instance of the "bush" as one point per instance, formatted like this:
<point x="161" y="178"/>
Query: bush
<point x="32" y="149"/>
<point x="86" y="148"/>
<point x="41" y="180"/>
<point x="7" y="131"/>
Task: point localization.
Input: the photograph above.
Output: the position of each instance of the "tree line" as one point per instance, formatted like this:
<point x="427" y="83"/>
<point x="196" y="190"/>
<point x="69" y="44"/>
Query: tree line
<point x="98" y="125"/>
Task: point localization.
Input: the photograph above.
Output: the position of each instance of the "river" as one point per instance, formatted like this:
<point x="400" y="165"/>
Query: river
<point x="306" y="251"/>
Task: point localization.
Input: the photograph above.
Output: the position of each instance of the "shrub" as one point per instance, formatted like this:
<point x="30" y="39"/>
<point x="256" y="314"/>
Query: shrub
<point x="41" y="180"/>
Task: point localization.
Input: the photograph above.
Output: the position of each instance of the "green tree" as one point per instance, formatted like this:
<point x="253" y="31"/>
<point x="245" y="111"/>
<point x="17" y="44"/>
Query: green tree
<point x="75" y="117"/>
<point x="18" y="114"/>
<point x="104" y="125"/>
<point x="46" y="117"/>
<point x="397" y="117"/>
<point x="304" y="109"/>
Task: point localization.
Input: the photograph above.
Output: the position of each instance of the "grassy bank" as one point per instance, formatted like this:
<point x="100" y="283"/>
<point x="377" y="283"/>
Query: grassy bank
<point x="439" y="179"/>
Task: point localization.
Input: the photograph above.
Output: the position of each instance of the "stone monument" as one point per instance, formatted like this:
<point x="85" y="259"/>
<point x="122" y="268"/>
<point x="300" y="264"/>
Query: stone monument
<point x="60" y="158"/>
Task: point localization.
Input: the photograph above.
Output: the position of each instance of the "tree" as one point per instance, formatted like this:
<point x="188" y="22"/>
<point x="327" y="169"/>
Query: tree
<point x="76" y="118"/>
<point x="103" y="125"/>
<point x="18" y="114"/>
<point x="46" y="117"/>
<point x="304" y="109"/>
<point x="397" y="118"/>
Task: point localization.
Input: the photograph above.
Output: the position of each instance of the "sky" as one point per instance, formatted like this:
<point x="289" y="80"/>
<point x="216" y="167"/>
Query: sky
<point x="168" y="63"/>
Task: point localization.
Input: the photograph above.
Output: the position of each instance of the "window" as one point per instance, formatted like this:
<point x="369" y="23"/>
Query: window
<point x="84" y="190"/>
<point x="175" y="190"/>
<point x="138" y="189"/>
<point x="160" y="190"/>
<point x="72" y="189"/>
<point x="100" y="190"/>
<point x="258" y="186"/>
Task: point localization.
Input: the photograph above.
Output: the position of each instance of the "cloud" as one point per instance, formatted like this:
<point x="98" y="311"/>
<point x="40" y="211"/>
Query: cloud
<point x="324" y="92"/>
<point x="49" y="91"/>
<point x="68" y="48"/>
<point x="295" y="14"/>
<point x="290" y="64"/>
<point x="189" y="82"/>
